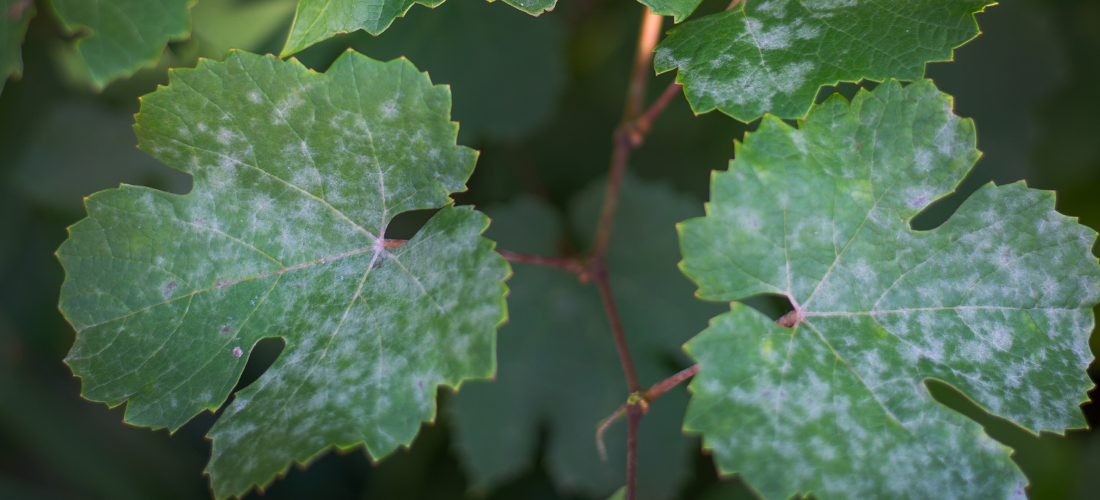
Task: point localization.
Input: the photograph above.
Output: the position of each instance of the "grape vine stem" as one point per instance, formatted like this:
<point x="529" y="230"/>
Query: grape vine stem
<point x="626" y="137"/>
<point x="630" y="134"/>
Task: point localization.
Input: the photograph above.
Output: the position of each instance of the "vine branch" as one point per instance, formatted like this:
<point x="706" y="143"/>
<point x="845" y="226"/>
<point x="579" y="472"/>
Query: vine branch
<point x="642" y="401"/>
<point x="571" y="265"/>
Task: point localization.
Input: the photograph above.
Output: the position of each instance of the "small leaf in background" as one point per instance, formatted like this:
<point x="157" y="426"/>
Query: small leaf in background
<point x="773" y="56"/>
<point x="98" y="152"/>
<point x="115" y="38"/>
<point x="678" y="9"/>
<point x="296" y="176"/>
<point x="996" y="302"/>
<point x="239" y="24"/>
<point x="506" y="69"/>
<point x="558" y="364"/>
<point x="318" y="20"/>
<point x="15" y="16"/>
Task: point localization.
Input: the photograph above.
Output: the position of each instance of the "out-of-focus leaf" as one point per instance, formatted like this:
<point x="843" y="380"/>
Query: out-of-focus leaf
<point x="82" y="148"/>
<point x="996" y="302"/>
<point x="15" y="16"/>
<point x="115" y="38"/>
<point x="235" y="24"/>
<point x="773" y="56"/>
<point x="505" y="69"/>
<point x="558" y="364"/>
<point x="297" y="175"/>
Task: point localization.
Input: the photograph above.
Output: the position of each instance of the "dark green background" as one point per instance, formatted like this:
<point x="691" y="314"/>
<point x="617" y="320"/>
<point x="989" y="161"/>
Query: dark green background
<point x="1029" y="81"/>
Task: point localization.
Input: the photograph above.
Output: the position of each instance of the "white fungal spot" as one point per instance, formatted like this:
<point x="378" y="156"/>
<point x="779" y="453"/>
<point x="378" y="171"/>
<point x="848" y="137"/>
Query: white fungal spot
<point x="237" y="352"/>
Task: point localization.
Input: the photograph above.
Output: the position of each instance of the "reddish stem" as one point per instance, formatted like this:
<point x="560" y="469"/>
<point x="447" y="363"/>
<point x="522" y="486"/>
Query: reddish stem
<point x="566" y="263"/>
<point x="640" y="128"/>
<point x="660" y="388"/>
<point x="633" y="418"/>
<point x="639" y="78"/>
<point x="647" y="40"/>
<point x="572" y="265"/>
<point x="604" y="284"/>
<point x="649" y="396"/>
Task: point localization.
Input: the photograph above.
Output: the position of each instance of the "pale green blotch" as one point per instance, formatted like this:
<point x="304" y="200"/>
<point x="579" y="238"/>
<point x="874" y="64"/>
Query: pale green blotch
<point x="772" y="56"/>
<point x="122" y="36"/>
<point x="996" y="302"/>
<point x="296" y="175"/>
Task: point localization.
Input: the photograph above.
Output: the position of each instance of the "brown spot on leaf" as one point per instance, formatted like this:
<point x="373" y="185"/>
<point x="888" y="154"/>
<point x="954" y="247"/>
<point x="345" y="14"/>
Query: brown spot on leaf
<point x="168" y="289"/>
<point x="790" y="319"/>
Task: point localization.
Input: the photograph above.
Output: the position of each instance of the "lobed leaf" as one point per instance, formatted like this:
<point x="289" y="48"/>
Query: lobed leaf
<point x="505" y="69"/>
<point x="773" y="56"/>
<point x="318" y="20"/>
<point x="15" y="16"/>
<point x="558" y="364"/>
<point x="115" y="38"/>
<point x="996" y="302"/>
<point x="297" y="175"/>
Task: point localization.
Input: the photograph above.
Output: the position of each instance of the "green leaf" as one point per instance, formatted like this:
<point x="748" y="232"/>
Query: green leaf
<point x="235" y="24"/>
<point x="505" y="69"/>
<point x="319" y="20"/>
<point x="80" y="148"/>
<point x="115" y="38"/>
<point x="773" y="56"/>
<point x="15" y="16"/>
<point x="620" y="494"/>
<point x="996" y="302"/>
<point x="558" y="365"/>
<point x="678" y="9"/>
<point x="296" y="175"/>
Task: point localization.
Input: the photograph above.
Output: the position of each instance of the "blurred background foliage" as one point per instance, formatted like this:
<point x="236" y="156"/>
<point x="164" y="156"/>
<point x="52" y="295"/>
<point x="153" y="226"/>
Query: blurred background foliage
<point x="539" y="98"/>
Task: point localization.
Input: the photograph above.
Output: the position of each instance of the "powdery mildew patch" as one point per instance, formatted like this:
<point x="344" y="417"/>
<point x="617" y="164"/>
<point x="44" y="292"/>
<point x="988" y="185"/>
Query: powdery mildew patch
<point x="773" y="56"/>
<point x="996" y="302"/>
<point x="296" y="175"/>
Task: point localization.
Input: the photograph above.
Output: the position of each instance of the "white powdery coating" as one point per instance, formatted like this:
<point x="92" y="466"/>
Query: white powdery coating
<point x="996" y="302"/>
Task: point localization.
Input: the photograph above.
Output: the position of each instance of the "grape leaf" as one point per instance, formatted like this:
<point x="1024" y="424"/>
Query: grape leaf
<point x="506" y="69"/>
<point x="773" y="56"/>
<point x="234" y="24"/>
<point x="678" y="9"/>
<point x="558" y="365"/>
<point x="118" y="37"/>
<point x="995" y="302"/>
<point x="79" y="148"/>
<point x="15" y="16"/>
<point x="296" y="175"/>
<point x="318" y="20"/>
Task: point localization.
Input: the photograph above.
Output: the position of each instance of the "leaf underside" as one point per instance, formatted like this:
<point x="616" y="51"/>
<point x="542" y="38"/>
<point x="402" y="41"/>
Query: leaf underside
<point x="773" y="56"/>
<point x="318" y="20"/>
<point x="996" y="302"/>
<point x="15" y="16"/>
<point x="558" y="364"/>
<point x="122" y="36"/>
<point x="296" y="176"/>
